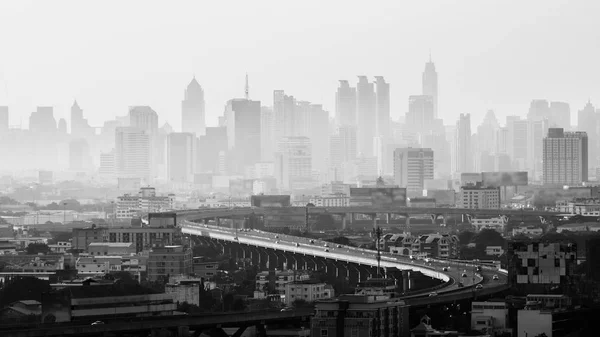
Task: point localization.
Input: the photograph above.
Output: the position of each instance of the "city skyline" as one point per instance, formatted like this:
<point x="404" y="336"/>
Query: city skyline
<point x="157" y="80"/>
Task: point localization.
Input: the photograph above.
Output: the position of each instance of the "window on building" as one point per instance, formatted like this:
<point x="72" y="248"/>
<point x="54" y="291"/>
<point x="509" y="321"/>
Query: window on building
<point x="324" y="332"/>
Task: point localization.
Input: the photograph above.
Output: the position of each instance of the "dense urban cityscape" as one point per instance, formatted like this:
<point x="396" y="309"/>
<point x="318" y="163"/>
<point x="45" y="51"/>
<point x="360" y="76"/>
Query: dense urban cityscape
<point x="289" y="218"/>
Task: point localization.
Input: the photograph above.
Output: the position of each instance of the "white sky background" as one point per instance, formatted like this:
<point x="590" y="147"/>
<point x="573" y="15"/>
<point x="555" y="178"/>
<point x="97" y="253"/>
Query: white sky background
<point x="112" y="54"/>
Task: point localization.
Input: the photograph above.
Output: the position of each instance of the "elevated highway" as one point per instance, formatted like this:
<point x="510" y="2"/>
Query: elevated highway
<point x="456" y="272"/>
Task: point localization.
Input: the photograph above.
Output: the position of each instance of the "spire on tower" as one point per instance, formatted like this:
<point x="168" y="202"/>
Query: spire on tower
<point x="247" y="88"/>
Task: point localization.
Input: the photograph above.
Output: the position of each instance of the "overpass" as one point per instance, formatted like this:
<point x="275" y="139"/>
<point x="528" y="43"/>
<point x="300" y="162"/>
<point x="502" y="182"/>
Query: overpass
<point x="349" y="213"/>
<point x="293" y="249"/>
<point x="173" y="325"/>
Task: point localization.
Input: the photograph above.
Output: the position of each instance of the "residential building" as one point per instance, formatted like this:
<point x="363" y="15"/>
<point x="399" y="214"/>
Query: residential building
<point x="531" y="231"/>
<point x="108" y="165"/>
<point x="193" y="115"/>
<point x="565" y="157"/>
<point x="382" y="107"/>
<point x="82" y="237"/>
<point x="243" y="119"/>
<point x="129" y="206"/>
<point x="490" y="316"/>
<point x="60" y="247"/>
<point x="97" y="265"/>
<point x="307" y="291"/>
<point x="79" y="155"/>
<point x="494" y="250"/>
<point x="111" y="248"/>
<point x="479" y="197"/>
<point x="360" y="316"/>
<point x="185" y="290"/>
<point x="203" y="268"/>
<point x="132" y="153"/>
<point x="345" y="105"/>
<point x="331" y="201"/>
<point x="293" y="161"/>
<point x="275" y="280"/>
<point x="498" y="224"/>
<point x="412" y="166"/>
<point x="537" y="266"/>
<point x="142" y="237"/>
<point x="553" y="315"/>
<point x="165" y="261"/>
<point x="463" y="157"/>
<point x="436" y="245"/>
<point x="421" y="112"/>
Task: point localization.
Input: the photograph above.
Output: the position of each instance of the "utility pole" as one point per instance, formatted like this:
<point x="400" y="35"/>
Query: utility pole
<point x="64" y="213"/>
<point x="377" y="234"/>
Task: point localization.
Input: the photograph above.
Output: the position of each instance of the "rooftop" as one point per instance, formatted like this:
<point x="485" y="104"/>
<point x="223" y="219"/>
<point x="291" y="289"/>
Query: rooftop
<point x="111" y="244"/>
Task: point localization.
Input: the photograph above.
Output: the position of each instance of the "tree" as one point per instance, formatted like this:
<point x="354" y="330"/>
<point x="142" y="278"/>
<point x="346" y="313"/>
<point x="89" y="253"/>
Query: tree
<point x="341" y="240"/>
<point x="23" y="288"/>
<point x="465" y="237"/>
<point x="324" y="222"/>
<point x="239" y="305"/>
<point x="36" y="248"/>
<point x="489" y="237"/>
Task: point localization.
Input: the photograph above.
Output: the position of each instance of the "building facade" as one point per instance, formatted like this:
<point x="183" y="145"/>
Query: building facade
<point x="129" y="206"/>
<point x="166" y="261"/>
<point x="412" y="166"/>
<point x="307" y="291"/>
<point x="565" y="157"/>
<point x="479" y="197"/>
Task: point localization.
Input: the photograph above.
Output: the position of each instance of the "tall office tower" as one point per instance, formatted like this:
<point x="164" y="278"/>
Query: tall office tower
<point x="412" y="166"/>
<point x="518" y="142"/>
<point x="343" y="146"/>
<point x="421" y="112"/>
<point x="267" y="135"/>
<point x="193" y="116"/>
<point x="107" y="164"/>
<point x="209" y="148"/>
<point x="565" y="157"/>
<point x="587" y="120"/>
<point x="345" y="104"/>
<point x="132" y="153"/>
<point x="430" y="84"/>
<point x="293" y="162"/>
<point x="561" y="115"/>
<point x="181" y="157"/>
<point x="501" y="137"/>
<point x="146" y="119"/>
<point x="382" y="106"/>
<point x="365" y="116"/>
<point x="317" y="129"/>
<point x="79" y="125"/>
<point x="79" y="155"/>
<point x="486" y="133"/>
<point x="435" y="139"/>
<point x="283" y="114"/>
<point x="243" y="132"/>
<point x="539" y="109"/>
<point x="4" y="119"/>
<point x="62" y="126"/>
<point x="535" y="150"/>
<point x="463" y="161"/>
<point x="42" y="121"/>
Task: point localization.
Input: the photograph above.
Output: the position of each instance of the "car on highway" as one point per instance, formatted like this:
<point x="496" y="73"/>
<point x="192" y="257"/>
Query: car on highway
<point x="433" y="294"/>
<point x="445" y="269"/>
<point x="479" y="287"/>
<point x="326" y="250"/>
<point x="325" y="245"/>
<point x="297" y="244"/>
<point x="97" y="323"/>
<point x="276" y="236"/>
<point x="286" y="309"/>
<point x="495" y="278"/>
<point x="312" y="241"/>
<point x="460" y="284"/>
<point x="464" y="275"/>
<point x="339" y="246"/>
<point x="276" y="241"/>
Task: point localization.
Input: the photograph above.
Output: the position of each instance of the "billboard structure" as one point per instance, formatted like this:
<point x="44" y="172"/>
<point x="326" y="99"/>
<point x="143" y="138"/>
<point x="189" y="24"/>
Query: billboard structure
<point x="270" y="201"/>
<point x="378" y="196"/>
<point x="470" y="178"/>
<point x="499" y="179"/>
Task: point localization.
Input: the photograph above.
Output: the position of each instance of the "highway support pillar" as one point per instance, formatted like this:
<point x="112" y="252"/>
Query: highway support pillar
<point x="239" y="332"/>
<point x="183" y="331"/>
<point x="433" y="219"/>
<point x="218" y="222"/>
<point x="405" y="281"/>
<point x="351" y="218"/>
<point x="260" y="330"/>
<point x="387" y="218"/>
<point x="344" y="221"/>
<point x="374" y="217"/>
<point x="407" y="225"/>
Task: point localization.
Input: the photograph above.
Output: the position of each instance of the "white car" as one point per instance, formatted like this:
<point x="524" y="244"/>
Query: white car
<point x="479" y="287"/>
<point x="433" y="294"/>
<point x="495" y="278"/>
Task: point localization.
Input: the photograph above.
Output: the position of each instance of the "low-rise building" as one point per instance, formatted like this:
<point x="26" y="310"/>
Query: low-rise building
<point x="97" y="265"/>
<point x="479" y="197"/>
<point x="275" y="280"/>
<point x="82" y="237"/>
<point x="494" y="250"/>
<point x="129" y="206"/>
<point x="436" y="245"/>
<point x="7" y="248"/>
<point x="331" y="201"/>
<point x="490" y="317"/>
<point x="111" y="248"/>
<point x="33" y="263"/>
<point x="60" y="247"/>
<point x="165" y="261"/>
<point x="552" y="315"/>
<point x="579" y="227"/>
<point x="143" y="237"/>
<point x="307" y="291"/>
<point x="360" y="315"/>
<point x="498" y="224"/>
<point x="528" y="231"/>
<point x="205" y="269"/>
<point x="185" y="290"/>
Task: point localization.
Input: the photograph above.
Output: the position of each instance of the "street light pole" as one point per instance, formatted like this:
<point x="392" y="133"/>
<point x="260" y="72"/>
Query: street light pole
<point x="377" y="232"/>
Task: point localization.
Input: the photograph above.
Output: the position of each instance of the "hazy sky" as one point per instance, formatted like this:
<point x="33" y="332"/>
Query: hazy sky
<point x="112" y="54"/>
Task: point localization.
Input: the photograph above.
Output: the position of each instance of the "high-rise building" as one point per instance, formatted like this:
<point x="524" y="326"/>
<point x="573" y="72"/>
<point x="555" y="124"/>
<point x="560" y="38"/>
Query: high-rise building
<point x="107" y="164"/>
<point x="463" y="159"/>
<point x="3" y="118"/>
<point x="561" y="115"/>
<point x="587" y="120"/>
<point x="343" y="146"/>
<point x="209" y="147"/>
<point x="284" y="123"/>
<point x="430" y="84"/>
<point x="144" y="118"/>
<point x="79" y="155"/>
<point x="42" y="121"/>
<point x="193" y="116"/>
<point x="412" y="166"/>
<point x="365" y="115"/>
<point x="267" y="135"/>
<point x="293" y="161"/>
<point x="518" y="141"/>
<point x="243" y="132"/>
<point x="317" y="130"/>
<point x="382" y="106"/>
<point x="536" y="133"/>
<point x="79" y="125"/>
<point x="565" y="157"/>
<point x="181" y="157"/>
<point x="132" y="153"/>
<point x="345" y="104"/>
<point x="539" y="109"/>
<point x="421" y="112"/>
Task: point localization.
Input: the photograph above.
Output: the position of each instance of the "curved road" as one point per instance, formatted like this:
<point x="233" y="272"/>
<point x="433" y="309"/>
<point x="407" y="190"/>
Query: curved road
<point x="430" y="267"/>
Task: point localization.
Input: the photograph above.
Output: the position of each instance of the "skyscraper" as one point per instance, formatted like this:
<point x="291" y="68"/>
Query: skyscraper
<point x="345" y="104"/>
<point x="420" y="112"/>
<point x="412" y="166"/>
<point x="382" y="106"/>
<point x="518" y="141"/>
<point x="181" y="157"/>
<point x="539" y="109"/>
<point x="79" y="155"/>
<point x="587" y="120"/>
<point x="343" y="146"/>
<point x="146" y="119"/>
<point x="565" y="157"/>
<point x="42" y="121"/>
<point x="430" y="84"/>
<point x="209" y="148"/>
<point x="132" y="153"/>
<point x="293" y="161"/>
<point x="365" y="113"/>
<point x="193" y="115"/>
<point x="267" y="135"/>
<point x="243" y="132"/>
<point x="463" y="161"/>
<point x="79" y="125"/>
<point x="535" y="138"/>
<point x="561" y="115"/>
<point x="3" y="118"/>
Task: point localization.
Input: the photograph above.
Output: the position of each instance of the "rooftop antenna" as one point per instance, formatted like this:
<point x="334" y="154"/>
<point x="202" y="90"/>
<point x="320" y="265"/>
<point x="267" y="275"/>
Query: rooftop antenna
<point x="247" y="88"/>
